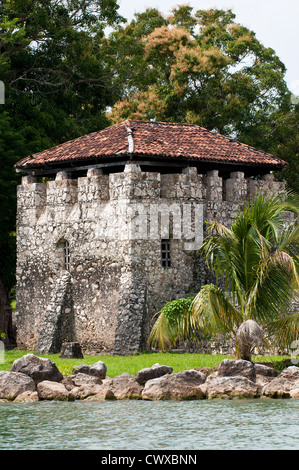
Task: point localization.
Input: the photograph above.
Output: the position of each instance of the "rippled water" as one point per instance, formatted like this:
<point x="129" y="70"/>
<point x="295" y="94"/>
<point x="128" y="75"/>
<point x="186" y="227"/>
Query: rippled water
<point x="142" y="425"/>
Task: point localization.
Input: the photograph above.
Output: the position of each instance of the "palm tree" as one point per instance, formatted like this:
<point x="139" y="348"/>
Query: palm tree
<point x="255" y="263"/>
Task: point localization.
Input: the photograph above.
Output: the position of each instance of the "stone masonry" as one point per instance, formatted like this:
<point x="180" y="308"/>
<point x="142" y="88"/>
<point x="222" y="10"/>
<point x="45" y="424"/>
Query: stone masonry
<point x="89" y="254"/>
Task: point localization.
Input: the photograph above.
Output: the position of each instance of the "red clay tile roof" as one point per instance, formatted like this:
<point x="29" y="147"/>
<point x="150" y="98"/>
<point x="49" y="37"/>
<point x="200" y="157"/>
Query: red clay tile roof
<point x="153" y="140"/>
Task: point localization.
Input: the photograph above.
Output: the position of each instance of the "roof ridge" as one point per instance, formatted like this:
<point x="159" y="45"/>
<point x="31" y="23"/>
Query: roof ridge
<point x="167" y="123"/>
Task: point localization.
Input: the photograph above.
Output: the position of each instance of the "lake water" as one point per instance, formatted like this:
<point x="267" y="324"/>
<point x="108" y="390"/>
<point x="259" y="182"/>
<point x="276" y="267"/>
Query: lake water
<point x="142" y="425"/>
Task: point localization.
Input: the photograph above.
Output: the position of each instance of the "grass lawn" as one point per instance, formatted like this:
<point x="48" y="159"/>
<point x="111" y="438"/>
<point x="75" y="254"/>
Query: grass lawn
<point x="117" y="365"/>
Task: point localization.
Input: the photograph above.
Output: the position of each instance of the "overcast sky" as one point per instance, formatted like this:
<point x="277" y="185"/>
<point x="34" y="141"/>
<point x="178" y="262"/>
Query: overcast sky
<point x="275" y="22"/>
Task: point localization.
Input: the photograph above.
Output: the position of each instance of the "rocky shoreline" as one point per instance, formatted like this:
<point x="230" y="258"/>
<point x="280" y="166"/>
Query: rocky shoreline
<point x="33" y="378"/>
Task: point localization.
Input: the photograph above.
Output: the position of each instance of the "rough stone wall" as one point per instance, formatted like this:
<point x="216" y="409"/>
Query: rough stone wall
<point x="113" y="226"/>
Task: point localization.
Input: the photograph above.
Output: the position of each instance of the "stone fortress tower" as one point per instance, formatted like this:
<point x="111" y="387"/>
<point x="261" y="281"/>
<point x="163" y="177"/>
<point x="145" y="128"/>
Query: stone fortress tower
<point x="109" y="224"/>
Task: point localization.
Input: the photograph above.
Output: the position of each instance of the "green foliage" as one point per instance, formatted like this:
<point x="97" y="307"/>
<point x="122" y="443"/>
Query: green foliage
<point x="176" y="309"/>
<point x="61" y="74"/>
<point x="57" y="87"/>
<point x="256" y="267"/>
<point x="169" y="326"/>
<point x="202" y="67"/>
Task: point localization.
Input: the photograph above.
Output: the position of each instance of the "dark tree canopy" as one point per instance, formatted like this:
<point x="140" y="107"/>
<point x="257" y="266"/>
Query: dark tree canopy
<point x="62" y="72"/>
<point x="57" y="87"/>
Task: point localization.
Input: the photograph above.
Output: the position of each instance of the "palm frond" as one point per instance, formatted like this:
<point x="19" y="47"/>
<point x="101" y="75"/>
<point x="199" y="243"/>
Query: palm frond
<point x="256" y="263"/>
<point x="170" y="325"/>
<point x="212" y="312"/>
<point x="285" y="330"/>
<point x="249" y="336"/>
<point x="164" y="333"/>
<point x="223" y="259"/>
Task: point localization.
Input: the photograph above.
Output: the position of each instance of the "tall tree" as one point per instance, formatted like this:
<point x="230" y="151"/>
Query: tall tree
<point x="204" y="68"/>
<point x="57" y="87"/>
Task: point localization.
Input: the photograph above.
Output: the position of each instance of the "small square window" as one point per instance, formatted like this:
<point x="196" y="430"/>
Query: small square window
<point x="165" y="253"/>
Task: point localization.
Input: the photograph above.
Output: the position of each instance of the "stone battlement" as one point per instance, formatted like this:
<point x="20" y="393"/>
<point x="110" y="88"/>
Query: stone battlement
<point x="132" y="183"/>
<point x="128" y="242"/>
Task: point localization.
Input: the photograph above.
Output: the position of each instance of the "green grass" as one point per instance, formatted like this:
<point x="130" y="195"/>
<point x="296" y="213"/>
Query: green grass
<point x="117" y="365"/>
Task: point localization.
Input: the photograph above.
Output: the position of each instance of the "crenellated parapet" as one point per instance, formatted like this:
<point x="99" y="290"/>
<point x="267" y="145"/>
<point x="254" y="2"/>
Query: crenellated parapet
<point x="266" y="183"/>
<point x="187" y="185"/>
<point x="94" y="187"/>
<point x="62" y="191"/>
<point x="133" y="184"/>
<point x="236" y="187"/>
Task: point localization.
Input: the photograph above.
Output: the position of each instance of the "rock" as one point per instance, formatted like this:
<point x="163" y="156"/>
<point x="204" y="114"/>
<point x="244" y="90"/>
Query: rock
<point x="71" y="350"/>
<point x="231" y="387"/>
<point x="84" y="391"/>
<point x="232" y="368"/>
<point x="13" y="384"/>
<point x="294" y="393"/>
<point x="212" y="376"/>
<point x="152" y="373"/>
<point x="183" y="385"/>
<point x="49" y="390"/>
<point x="264" y="374"/>
<point x="27" y="397"/>
<point x="125" y="386"/>
<point x="98" y="369"/>
<point x="38" y="368"/>
<point x="265" y="371"/>
<point x="262" y="380"/>
<point x="283" y="384"/>
<point x="104" y="393"/>
<point x="79" y="379"/>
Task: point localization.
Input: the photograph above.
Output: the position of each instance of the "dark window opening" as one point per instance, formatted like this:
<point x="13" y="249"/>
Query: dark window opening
<point x="63" y="254"/>
<point x="66" y="255"/>
<point x="165" y="253"/>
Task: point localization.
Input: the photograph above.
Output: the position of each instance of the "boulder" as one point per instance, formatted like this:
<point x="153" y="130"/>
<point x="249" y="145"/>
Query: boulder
<point x="79" y="379"/>
<point x="125" y="386"/>
<point x="183" y="385"/>
<point x="104" y="392"/>
<point x="38" y="368"/>
<point x="265" y="371"/>
<point x="283" y="384"/>
<point x="232" y="368"/>
<point x="264" y="374"/>
<point x="49" y="390"/>
<point x="98" y="369"/>
<point x="27" y="397"/>
<point x="153" y="372"/>
<point x="83" y="391"/>
<point x="13" y="384"/>
<point x="231" y="387"/>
